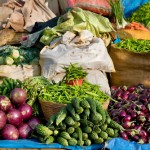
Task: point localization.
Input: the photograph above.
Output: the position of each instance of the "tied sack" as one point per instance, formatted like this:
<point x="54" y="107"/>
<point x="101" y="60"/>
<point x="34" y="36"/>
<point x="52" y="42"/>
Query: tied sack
<point x="91" y="54"/>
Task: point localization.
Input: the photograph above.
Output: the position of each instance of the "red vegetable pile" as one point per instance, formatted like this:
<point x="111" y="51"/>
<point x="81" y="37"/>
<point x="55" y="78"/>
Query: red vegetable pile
<point x="132" y="111"/>
<point x="16" y="120"/>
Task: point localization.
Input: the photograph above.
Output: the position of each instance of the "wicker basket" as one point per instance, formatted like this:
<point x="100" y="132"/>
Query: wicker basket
<point x="51" y="108"/>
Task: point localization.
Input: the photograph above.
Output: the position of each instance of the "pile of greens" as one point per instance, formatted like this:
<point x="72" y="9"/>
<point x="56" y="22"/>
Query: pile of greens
<point x="11" y="55"/>
<point x="63" y="93"/>
<point x="134" y="45"/>
<point x="142" y="15"/>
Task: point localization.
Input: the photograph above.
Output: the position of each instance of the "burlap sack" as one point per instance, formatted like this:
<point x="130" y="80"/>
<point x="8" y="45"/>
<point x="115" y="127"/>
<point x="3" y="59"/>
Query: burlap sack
<point x="19" y="72"/>
<point x="131" y="68"/>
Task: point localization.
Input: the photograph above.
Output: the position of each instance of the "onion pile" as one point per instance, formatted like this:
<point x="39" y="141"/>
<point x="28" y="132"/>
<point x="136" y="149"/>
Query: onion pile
<point x="132" y="111"/>
<point x="16" y="120"/>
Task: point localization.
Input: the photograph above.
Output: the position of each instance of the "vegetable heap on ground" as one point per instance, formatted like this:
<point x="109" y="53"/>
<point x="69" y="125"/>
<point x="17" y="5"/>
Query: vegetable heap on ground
<point x="142" y="15"/>
<point x="134" y="45"/>
<point x="10" y="55"/>
<point x="82" y="122"/>
<point x="16" y="119"/>
<point x="132" y="111"/>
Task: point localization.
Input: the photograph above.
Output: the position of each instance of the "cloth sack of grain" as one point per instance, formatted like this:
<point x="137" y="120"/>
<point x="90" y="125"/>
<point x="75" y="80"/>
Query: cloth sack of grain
<point x="131" y="68"/>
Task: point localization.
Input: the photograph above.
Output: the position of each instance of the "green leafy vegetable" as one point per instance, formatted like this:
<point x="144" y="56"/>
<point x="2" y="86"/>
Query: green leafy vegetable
<point x="134" y="45"/>
<point x="142" y="15"/>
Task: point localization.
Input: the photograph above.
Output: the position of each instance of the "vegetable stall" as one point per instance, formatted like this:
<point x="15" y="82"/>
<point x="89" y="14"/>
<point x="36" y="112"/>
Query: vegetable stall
<point x="80" y="82"/>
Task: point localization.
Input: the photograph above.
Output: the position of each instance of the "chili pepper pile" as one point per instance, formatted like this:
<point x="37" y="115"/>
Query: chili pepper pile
<point x="134" y="45"/>
<point x="63" y="93"/>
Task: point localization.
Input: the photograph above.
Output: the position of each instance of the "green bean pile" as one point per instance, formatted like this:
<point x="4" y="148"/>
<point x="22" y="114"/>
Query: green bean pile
<point x="142" y="15"/>
<point x="63" y="93"/>
<point x="136" y="46"/>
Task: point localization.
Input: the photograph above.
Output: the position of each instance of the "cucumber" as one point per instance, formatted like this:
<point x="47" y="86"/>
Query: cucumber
<point x="43" y="130"/>
<point x="72" y="142"/>
<point x="84" y="104"/>
<point x="87" y="142"/>
<point x="69" y="121"/>
<point x="84" y="136"/>
<point x="62" y="141"/>
<point x="104" y="127"/>
<point x="93" y="135"/>
<point x="99" y="140"/>
<point x="97" y="129"/>
<point x="70" y="130"/>
<point x="115" y="125"/>
<point x="103" y="135"/>
<point x="65" y="135"/>
<point x="87" y="129"/>
<point x="75" y="135"/>
<point x="76" y="104"/>
<point x="110" y="132"/>
<point x="61" y="115"/>
<point x="49" y="140"/>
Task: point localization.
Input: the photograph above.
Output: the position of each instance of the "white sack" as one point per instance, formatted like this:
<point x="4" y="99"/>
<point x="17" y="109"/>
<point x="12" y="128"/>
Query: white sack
<point x="90" y="56"/>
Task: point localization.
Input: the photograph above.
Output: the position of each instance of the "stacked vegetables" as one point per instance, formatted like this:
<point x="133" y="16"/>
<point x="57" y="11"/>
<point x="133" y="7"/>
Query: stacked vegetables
<point x="132" y="111"/>
<point x="16" y="120"/>
<point x="81" y="122"/>
<point x="136" y="46"/>
<point x="10" y="55"/>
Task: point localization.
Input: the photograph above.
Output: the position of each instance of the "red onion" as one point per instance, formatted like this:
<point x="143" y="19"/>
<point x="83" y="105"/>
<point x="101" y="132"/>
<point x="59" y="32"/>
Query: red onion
<point x="5" y="103"/>
<point x="18" y="96"/>
<point x="3" y="119"/>
<point x="26" y="111"/>
<point x="14" y="117"/>
<point x="10" y="132"/>
<point x="24" y="131"/>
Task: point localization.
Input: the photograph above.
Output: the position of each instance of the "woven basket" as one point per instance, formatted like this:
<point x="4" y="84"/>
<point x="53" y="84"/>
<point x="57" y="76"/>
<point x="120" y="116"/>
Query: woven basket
<point x="51" y="108"/>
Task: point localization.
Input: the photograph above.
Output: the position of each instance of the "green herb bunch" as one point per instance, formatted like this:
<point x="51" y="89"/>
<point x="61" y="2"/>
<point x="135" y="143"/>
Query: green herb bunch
<point x="74" y="72"/>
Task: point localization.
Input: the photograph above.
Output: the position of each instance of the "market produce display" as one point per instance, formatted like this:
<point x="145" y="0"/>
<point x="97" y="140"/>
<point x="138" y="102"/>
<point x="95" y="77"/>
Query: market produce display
<point x="8" y="84"/>
<point x="63" y="93"/>
<point x="33" y="86"/>
<point x="16" y="119"/>
<point x="132" y="111"/>
<point x="82" y="122"/>
<point x="142" y="15"/>
<point x="11" y="55"/>
<point x="133" y="45"/>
